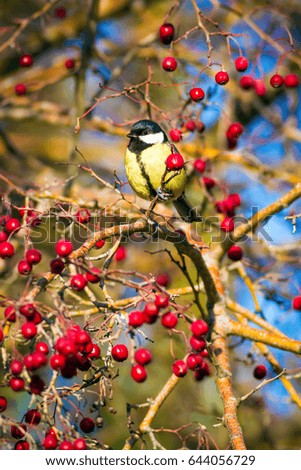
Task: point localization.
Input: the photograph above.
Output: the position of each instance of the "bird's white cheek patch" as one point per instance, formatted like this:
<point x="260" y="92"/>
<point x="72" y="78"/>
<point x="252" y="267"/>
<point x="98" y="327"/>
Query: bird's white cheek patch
<point x="152" y="138"/>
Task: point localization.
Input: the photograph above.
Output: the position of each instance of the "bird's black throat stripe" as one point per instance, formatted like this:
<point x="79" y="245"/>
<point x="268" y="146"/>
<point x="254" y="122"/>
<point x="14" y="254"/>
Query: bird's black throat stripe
<point x="150" y="187"/>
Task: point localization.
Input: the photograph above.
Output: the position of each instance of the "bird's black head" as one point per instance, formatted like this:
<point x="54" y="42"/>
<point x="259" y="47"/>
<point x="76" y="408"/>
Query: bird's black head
<point x="144" y="127"/>
<point x="144" y="134"/>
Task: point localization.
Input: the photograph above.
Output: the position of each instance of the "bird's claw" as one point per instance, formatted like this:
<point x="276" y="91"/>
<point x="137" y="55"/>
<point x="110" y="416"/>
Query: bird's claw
<point x="163" y="195"/>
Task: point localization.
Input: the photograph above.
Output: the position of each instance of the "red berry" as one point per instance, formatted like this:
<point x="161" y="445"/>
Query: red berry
<point x="69" y="64"/>
<point x="65" y="346"/>
<point x="136" y="318"/>
<point x="21" y="445"/>
<point x="234" y="130"/>
<point x="296" y="303"/>
<point x="95" y="352"/>
<point x="39" y="359"/>
<point x="202" y="371"/>
<point x="222" y="77"/>
<point x="179" y="368"/>
<point x="27" y="310"/>
<point x="3" y="404"/>
<point x="36" y="318"/>
<point x="94" y="275"/>
<point x="63" y="248"/>
<point x="10" y="314"/>
<point x="12" y="225"/>
<point x="200" y="165"/>
<point x="166" y="33"/>
<point x="197" y="94"/>
<point x="234" y="199"/>
<point x="235" y="253"/>
<point x="209" y="182"/>
<point x="20" y="89"/>
<point x="17" y="384"/>
<point x="260" y="372"/>
<point x="200" y="127"/>
<point x="175" y="134"/>
<point x="57" y="266"/>
<point x="24" y="267"/>
<point x="72" y="332"/>
<point x="83" y="363"/>
<point x="32" y="417"/>
<point x="291" y="80"/>
<point x="36" y="385"/>
<point x="3" y="237"/>
<point x="276" y="81"/>
<point x="87" y="425"/>
<point x="198" y="344"/>
<point x="138" y="373"/>
<point x="224" y="207"/>
<point x="26" y="60"/>
<point x="199" y="328"/>
<point x="18" y="431"/>
<point x="29" y="330"/>
<point x="50" y="442"/>
<point x="163" y="279"/>
<point x="42" y="347"/>
<point x="1" y="335"/>
<point x="57" y="361"/>
<point x="121" y="253"/>
<point x="66" y="445"/>
<point x="99" y="244"/>
<point x="174" y="162"/>
<point x="161" y="301"/>
<point x="151" y="309"/>
<point x="149" y="319"/>
<point x="33" y="256"/>
<point x="227" y="224"/>
<point x="82" y="337"/>
<point x="60" y="12"/>
<point x="143" y="356"/>
<point x="6" y="250"/>
<point x="241" y="64"/>
<point x="246" y="82"/>
<point x="169" y="320"/>
<point x="83" y="216"/>
<point x="190" y="125"/>
<point x="16" y="367"/>
<point x="29" y="362"/>
<point x="259" y="87"/>
<point x="78" y="282"/>
<point x="120" y="352"/>
<point x="79" y="444"/>
<point x="193" y="361"/>
<point x="169" y="64"/>
<point x="33" y="220"/>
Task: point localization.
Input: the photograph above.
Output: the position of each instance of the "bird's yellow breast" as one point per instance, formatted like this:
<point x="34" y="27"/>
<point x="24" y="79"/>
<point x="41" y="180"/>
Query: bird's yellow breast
<point x="144" y="172"/>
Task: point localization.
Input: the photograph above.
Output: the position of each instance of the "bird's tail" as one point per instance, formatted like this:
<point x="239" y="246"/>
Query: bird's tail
<point x="185" y="210"/>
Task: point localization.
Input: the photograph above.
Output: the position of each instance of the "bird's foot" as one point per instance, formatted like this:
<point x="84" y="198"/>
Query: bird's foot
<point x="163" y="195"/>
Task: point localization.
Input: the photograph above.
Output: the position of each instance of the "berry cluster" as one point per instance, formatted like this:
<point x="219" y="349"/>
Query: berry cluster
<point x="195" y="361"/>
<point x="226" y="207"/>
<point x="71" y="353"/>
<point x="247" y="82"/>
<point x="9" y="226"/>
<point x="158" y="309"/>
<point x="26" y="60"/>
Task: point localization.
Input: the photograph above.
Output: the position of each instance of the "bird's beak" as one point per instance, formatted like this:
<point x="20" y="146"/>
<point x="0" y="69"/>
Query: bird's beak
<point x="129" y="135"/>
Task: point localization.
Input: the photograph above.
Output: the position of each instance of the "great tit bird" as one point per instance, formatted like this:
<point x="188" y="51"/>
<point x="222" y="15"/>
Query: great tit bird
<point x="145" y="158"/>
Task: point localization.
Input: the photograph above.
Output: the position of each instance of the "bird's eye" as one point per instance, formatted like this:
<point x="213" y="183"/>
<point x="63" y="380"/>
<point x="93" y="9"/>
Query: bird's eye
<point x="144" y="132"/>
